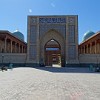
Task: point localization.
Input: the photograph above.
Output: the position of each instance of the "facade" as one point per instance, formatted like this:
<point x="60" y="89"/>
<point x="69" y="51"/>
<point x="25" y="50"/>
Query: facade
<point x="90" y="45"/>
<point x="89" y="49"/>
<point x="52" y="40"/>
<point x="12" y="48"/>
<point x="11" y="44"/>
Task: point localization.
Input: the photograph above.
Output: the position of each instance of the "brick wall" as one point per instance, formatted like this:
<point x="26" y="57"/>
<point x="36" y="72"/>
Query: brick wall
<point x="89" y="58"/>
<point x="12" y="58"/>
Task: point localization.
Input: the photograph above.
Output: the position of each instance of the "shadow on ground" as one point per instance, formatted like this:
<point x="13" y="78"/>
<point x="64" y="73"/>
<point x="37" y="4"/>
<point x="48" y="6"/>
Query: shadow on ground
<point x="63" y="69"/>
<point x="66" y="70"/>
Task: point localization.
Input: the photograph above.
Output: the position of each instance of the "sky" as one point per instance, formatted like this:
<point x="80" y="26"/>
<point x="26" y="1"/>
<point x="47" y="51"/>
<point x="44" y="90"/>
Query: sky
<point x="13" y="13"/>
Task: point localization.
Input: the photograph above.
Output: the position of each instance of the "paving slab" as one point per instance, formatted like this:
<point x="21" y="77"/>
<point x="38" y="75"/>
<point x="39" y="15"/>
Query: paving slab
<point x="49" y="84"/>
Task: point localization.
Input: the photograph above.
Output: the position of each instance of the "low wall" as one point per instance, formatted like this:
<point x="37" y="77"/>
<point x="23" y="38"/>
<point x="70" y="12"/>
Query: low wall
<point x="85" y="60"/>
<point x="15" y="58"/>
<point x="89" y="58"/>
<point x="21" y="60"/>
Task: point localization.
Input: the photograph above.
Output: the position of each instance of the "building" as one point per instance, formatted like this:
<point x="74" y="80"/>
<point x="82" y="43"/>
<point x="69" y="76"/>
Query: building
<point x="52" y="40"/>
<point x="89" y="49"/>
<point x="12" y="47"/>
<point x="9" y="43"/>
<point x="91" y="44"/>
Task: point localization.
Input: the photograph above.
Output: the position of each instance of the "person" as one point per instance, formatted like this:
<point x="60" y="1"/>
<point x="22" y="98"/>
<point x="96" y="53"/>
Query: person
<point x="3" y="68"/>
<point x="91" y="68"/>
<point x="11" y="66"/>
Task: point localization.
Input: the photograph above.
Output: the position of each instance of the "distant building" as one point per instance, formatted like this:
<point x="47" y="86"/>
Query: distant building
<point x="89" y="49"/>
<point x="9" y="43"/>
<point x="90" y="43"/>
<point x="11" y="47"/>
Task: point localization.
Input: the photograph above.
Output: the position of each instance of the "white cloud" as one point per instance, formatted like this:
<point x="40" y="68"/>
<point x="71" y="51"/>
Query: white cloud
<point x="53" y="5"/>
<point x="30" y="10"/>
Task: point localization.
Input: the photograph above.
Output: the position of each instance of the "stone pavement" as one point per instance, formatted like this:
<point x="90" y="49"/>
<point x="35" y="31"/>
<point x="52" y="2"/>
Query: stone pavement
<point x="49" y="84"/>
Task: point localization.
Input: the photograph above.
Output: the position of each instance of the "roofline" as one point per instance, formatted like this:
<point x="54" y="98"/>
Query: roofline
<point x="50" y="15"/>
<point x="6" y="31"/>
<point x="90" y="37"/>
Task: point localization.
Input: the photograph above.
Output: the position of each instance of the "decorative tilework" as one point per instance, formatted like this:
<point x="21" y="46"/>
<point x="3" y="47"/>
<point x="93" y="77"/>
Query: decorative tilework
<point x="65" y="25"/>
<point x="33" y="21"/>
<point x="71" y="29"/>
<point x="52" y="20"/>
<point x="72" y="52"/>
<point x="71" y="20"/>
<point x="33" y="33"/>
<point x="46" y="27"/>
<point x="32" y="52"/>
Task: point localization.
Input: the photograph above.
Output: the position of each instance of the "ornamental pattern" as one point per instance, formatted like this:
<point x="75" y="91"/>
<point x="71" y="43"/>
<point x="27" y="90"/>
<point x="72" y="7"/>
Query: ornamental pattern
<point x="71" y="20"/>
<point x="72" y="52"/>
<point x="33" y="21"/>
<point x="32" y="52"/>
<point x="71" y="29"/>
<point x="52" y="20"/>
<point x="33" y="32"/>
<point x="45" y="28"/>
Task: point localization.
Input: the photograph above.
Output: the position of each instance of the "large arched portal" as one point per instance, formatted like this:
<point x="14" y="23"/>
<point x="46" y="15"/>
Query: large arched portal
<point x="42" y="30"/>
<point x="52" y="48"/>
<point x="52" y="53"/>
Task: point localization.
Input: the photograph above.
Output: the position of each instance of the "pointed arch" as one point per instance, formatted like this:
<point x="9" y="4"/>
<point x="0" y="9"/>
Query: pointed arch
<point x="51" y="31"/>
<point x="52" y="53"/>
<point x="53" y="42"/>
<point x="49" y="35"/>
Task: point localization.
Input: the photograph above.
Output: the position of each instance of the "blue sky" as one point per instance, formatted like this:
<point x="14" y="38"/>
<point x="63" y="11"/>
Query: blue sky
<point x="13" y="13"/>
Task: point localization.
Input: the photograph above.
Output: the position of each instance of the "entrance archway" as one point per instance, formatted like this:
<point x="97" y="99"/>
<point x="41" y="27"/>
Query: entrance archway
<point x="58" y="39"/>
<point x="52" y="53"/>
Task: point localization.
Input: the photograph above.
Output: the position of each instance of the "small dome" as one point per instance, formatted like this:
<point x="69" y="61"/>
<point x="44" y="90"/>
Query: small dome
<point x="87" y="35"/>
<point x="18" y="35"/>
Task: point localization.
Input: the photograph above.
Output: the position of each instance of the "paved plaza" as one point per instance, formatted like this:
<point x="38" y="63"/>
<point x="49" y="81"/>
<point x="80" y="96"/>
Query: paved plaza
<point x="49" y="84"/>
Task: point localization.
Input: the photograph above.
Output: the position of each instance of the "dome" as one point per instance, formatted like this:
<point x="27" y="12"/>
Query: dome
<point x="87" y="35"/>
<point x="18" y="35"/>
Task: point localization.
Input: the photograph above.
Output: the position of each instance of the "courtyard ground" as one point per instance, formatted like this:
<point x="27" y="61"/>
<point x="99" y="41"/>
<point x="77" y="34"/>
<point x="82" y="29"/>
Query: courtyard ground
<point x="49" y="84"/>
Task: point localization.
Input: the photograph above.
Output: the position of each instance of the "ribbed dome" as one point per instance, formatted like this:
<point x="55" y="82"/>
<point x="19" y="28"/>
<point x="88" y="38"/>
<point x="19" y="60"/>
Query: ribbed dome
<point x="87" y="35"/>
<point x="19" y="35"/>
